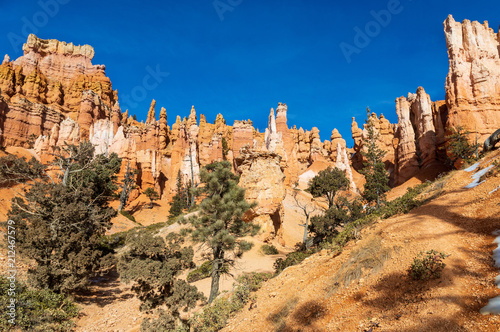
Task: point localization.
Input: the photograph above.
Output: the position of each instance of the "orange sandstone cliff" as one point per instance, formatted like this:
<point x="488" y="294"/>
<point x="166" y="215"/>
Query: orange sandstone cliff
<point x="54" y="94"/>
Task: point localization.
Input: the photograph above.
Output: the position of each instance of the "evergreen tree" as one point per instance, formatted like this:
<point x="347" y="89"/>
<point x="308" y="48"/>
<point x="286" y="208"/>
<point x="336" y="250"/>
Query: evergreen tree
<point x="326" y="226"/>
<point x="179" y="201"/>
<point x="225" y="148"/>
<point x="219" y="224"/>
<point x="152" y="195"/>
<point x="59" y="224"/>
<point x="377" y="178"/>
<point x="15" y="170"/>
<point x="153" y="265"/>
<point x="127" y="185"/>
<point x="327" y="183"/>
<point x="458" y="145"/>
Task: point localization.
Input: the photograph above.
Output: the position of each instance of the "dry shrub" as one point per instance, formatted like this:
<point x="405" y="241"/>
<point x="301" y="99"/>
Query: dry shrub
<point x="279" y="317"/>
<point x="366" y="260"/>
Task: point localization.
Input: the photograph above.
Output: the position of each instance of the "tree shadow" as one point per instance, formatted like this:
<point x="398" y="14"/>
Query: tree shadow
<point x="104" y="290"/>
<point x="137" y="207"/>
<point x="293" y="318"/>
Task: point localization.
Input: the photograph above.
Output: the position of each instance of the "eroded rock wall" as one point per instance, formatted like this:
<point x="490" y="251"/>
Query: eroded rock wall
<point x="473" y="81"/>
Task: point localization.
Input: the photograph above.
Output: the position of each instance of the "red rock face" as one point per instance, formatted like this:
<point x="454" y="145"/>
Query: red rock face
<point x="473" y="81"/>
<point x="49" y="82"/>
<point x="242" y="135"/>
<point x="54" y="92"/>
<point x="24" y="120"/>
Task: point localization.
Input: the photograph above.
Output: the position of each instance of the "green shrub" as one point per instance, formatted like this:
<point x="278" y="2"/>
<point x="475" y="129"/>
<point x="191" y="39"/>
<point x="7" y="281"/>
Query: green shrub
<point x="109" y="243"/>
<point x="405" y="203"/>
<point x="253" y="280"/>
<point x="325" y="227"/>
<point x="428" y="265"/>
<point x="127" y="215"/>
<point x="458" y="145"/>
<point x="155" y="227"/>
<point x="400" y="205"/>
<point x="291" y="259"/>
<point x="214" y="317"/>
<point x="203" y="271"/>
<point x="269" y="249"/>
<point x="245" y="246"/>
<point x="36" y="310"/>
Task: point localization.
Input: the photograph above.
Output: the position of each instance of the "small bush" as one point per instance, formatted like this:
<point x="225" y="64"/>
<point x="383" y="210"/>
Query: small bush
<point x="269" y="249"/>
<point x="153" y="228"/>
<point x="253" y="280"/>
<point x="214" y="317"/>
<point x="291" y="259"/>
<point x="245" y="246"/>
<point x="127" y="215"/>
<point x="458" y="145"/>
<point x="109" y="243"/>
<point x="405" y="203"/>
<point x="204" y="271"/>
<point x="428" y="265"/>
<point x="36" y="310"/>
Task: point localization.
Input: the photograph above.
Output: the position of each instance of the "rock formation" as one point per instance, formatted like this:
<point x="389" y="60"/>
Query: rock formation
<point x="473" y="81"/>
<point x="263" y="180"/>
<point x="408" y="164"/>
<point x="55" y="93"/>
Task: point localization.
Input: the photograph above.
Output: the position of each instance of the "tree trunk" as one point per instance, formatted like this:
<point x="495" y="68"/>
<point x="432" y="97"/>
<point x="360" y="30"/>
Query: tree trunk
<point x="124" y="194"/>
<point x="304" y="239"/>
<point x="216" y="270"/>
<point x="66" y="175"/>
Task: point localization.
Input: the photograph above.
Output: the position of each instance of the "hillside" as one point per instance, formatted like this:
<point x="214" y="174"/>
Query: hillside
<point x="367" y="287"/>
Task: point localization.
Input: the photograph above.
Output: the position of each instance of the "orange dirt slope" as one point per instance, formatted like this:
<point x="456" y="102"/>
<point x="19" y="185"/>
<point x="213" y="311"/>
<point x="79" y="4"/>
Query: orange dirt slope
<point x="367" y="287"/>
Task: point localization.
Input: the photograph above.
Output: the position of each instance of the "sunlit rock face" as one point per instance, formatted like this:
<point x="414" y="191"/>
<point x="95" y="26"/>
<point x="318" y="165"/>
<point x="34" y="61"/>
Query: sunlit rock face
<point x="52" y="81"/>
<point x="53" y="95"/>
<point x="473" y="81"/>
<point x="263" y="180"/>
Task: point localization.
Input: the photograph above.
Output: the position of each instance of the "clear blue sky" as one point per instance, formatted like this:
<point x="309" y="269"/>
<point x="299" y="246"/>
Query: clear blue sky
<point x="242" y="57"/>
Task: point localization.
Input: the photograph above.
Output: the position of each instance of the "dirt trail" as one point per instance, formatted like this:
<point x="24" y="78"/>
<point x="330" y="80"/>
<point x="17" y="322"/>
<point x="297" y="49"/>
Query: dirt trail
<point x="308" y="298"/>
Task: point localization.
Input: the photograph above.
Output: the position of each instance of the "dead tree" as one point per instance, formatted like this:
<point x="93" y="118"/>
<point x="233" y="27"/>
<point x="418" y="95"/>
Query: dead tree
<point x="307" y="209"/>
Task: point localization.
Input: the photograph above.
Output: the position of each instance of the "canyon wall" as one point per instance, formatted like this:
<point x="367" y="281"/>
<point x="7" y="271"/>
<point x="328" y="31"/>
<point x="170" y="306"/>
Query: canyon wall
<point x="472" y="101"/>
<point x="473" y="81"/>
<point x="412" y="144"/>
<point x="54" y="94"/>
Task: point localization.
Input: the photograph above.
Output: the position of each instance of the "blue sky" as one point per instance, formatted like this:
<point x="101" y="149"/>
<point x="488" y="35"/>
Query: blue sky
<point x="242" y="57"/>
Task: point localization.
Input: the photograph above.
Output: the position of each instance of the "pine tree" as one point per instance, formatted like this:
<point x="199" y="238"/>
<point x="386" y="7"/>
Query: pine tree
<point x="153" y="264"/>
<point x="377" y="178"/>
<point x="179" y="201"/>
<point x="128" y="184"/>
<point x="59" y="224"/>
<point x="327" y="183"/>
<point x="458" y="145"/>
<point x="152" y="195"/>
<point x="219" y="224"/>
